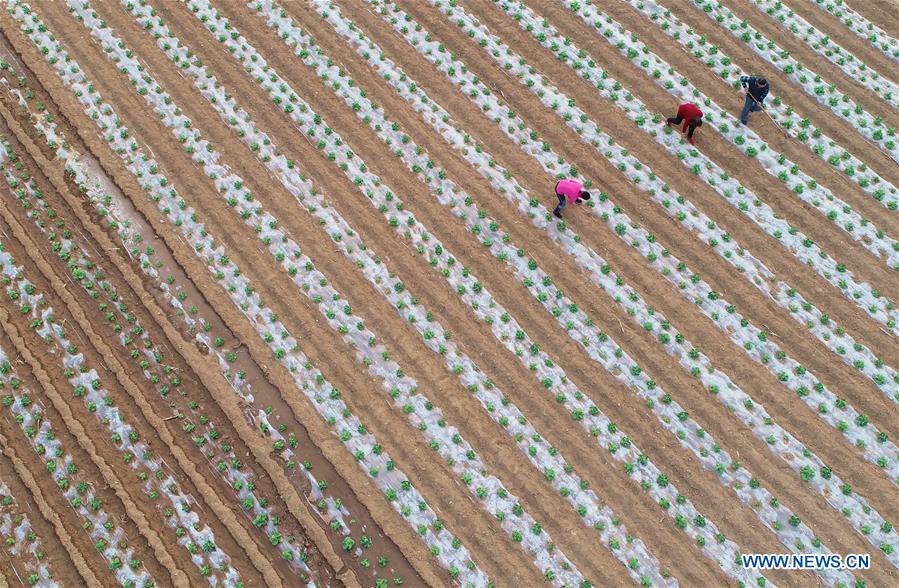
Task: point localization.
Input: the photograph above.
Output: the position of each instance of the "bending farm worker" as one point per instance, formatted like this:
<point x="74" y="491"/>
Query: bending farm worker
<point x="756" y="89"/>
<point x="569" y="191"/>
<point x="691" y="116"/>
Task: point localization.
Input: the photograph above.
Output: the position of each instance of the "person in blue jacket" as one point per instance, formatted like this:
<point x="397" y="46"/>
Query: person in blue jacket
<point x="756" y="89"/>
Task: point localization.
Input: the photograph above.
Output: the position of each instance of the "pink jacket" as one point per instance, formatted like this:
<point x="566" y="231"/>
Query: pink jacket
<point x="571" y="189"/>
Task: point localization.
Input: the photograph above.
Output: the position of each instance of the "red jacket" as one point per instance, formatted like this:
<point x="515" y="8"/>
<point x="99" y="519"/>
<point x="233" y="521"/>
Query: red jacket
<point x="688" y="111"/>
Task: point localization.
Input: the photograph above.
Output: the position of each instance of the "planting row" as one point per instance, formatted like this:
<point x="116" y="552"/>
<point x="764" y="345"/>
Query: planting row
<point x="202" y="432"/>
<point x="828" y="94"/>
<point x="284" y="442"/>
<point x="373" y="460"/>
<point x="404" y="388"/>
<point x="746" y="140"/>
<point x="28" y="412"/>
<point x="756" y="273"/>
<point x="21" y="542"/>
<point x="485" y="228"/>
<point x="481" y="225"/>
<point x="823" y="45"/>
<point x="699" y="164"/>
<point x="158" y="485"/>
<point x="464" y="283"/>
<point x="783" y="114"/>
<point x="425" y="43"/>
<point x="861" y="26"/>
<point x="382" y="279"/>
<point x="589" y="14"/>
<point x="640" y="174"/>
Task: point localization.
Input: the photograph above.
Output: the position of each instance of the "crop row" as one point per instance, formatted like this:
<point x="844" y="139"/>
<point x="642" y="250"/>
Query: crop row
<point x="20" y="540"/>
<point x="828" y="94"/>
<point x="783" y="114"/>
<point x="756" y="273"/>
<point x="485" y="228"/>
<point x="742" y="137"/>
<point x="197" y="538"/>
<point x="28" y="412"/>
<point x="202" y="433"/>
<point x="823" y="45"/>
<point x="370" y="456"/>
<point x="470" y="289"/>
<point x="861" y="26"/>
<point x="746" y="411"/>
<point x="546" y="460"/>
<point x="800" y="380"/>
<point x="738" y="196"/>
<point x="864" y="436"/>
<point x="284" y="442"/>
<point x="819" y="324"/>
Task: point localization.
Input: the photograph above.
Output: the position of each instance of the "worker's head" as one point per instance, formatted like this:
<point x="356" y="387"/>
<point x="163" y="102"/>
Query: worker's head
<point x="762" y="82"/>
<point x="585" y="195"/>
<point x="698" y="121"/>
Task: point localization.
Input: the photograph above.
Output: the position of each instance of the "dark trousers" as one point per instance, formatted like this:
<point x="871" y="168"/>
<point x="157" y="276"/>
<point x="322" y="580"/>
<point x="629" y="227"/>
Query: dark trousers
<point x="676" y="120"/>
<point x="749" y="106"/>
<point x="562" y="201"/>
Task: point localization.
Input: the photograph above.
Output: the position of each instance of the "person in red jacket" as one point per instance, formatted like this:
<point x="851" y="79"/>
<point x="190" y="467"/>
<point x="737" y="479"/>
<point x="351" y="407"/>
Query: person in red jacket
<point x="691" y="116"/>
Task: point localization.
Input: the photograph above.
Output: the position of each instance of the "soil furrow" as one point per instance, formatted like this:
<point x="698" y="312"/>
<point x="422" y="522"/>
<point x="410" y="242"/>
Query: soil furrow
<point x="261" y="390"/>
<point x="75" y="320"/>
<point x="848" y="380"/>
<point x="810" y="58"/>
<point x="826" y="449"/>
<point x="525" y="321"/>
<point x="192" y="182"/>
<point x="208" y="267"/>
<point x="501" y="285"/>
<point x="448" y="384"/>
<point x="836" y="30"/>
<point x="322" y="436"/>
<point x="840" y="377"/>
<point x="182" y="402"/>
<point x="544" y="264"/>
<point x="879" y="11"/>
<point x="635" y="202"/>
<point x="726" y="96"/>
<point x="820" y="114"/>
<point x="830" y="238"/>
<point x="619" y="188"/>
<point x="161" y="560"/>
<point x="391" y="244"/>
<point x="63" y="561"/>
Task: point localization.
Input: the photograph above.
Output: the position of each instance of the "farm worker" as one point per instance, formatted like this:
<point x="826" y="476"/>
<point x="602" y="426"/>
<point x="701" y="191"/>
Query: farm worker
<point x="691" y="116"/>
<point x="571" y="191"/>
<point x="756" y="89"/>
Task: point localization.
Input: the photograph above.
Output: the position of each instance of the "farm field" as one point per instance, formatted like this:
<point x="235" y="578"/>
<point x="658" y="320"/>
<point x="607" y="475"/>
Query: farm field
<point x="285" y="303"/>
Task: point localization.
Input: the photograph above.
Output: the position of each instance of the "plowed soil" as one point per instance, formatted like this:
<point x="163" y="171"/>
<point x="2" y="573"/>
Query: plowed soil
<point x="203" y="391"/>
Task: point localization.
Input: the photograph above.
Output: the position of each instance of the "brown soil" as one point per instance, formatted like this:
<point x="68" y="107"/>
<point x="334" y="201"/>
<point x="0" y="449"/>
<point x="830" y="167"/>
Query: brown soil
<point x="73" y="557"/>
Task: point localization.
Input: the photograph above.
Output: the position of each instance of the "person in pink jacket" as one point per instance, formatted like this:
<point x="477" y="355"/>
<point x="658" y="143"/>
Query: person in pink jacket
<point x="569" y="191"/>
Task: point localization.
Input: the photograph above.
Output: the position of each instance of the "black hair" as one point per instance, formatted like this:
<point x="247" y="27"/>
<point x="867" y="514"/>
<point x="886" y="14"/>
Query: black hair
<point x="698" y="121"/>
<point x="585" y="195"/>
<point x="762" y="82"/>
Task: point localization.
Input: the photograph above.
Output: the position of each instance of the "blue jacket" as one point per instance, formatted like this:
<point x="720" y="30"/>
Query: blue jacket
<point x="752" y="83"/>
